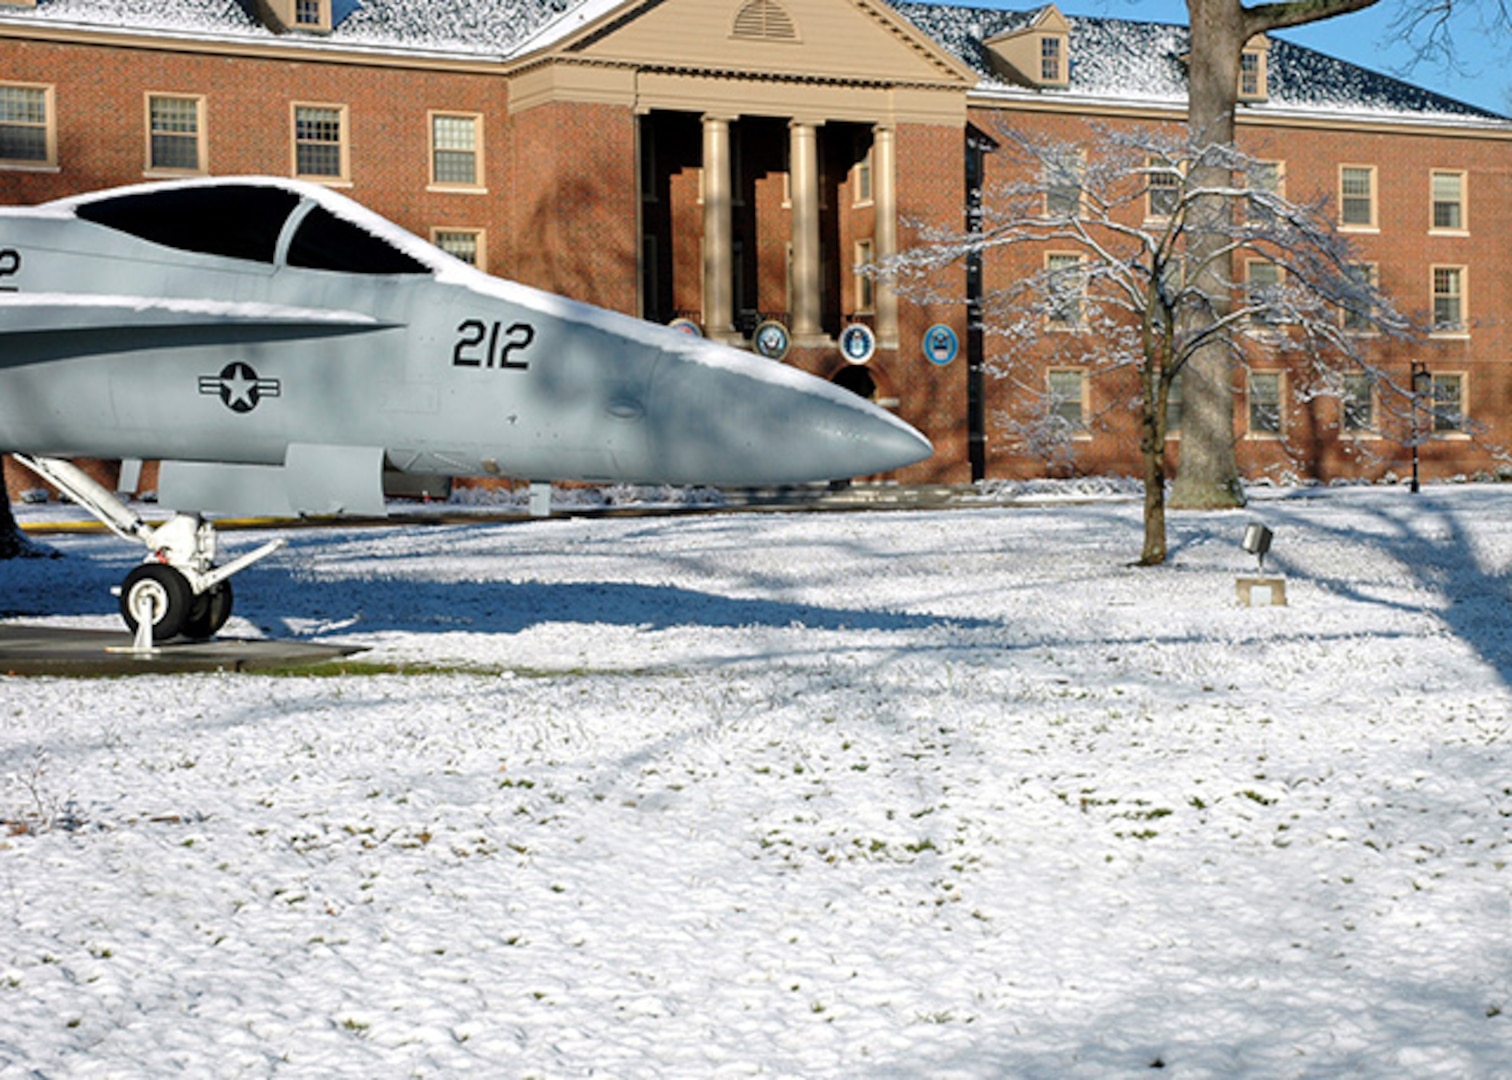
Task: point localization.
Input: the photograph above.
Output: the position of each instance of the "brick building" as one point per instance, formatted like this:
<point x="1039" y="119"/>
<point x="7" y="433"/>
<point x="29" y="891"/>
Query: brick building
<point x="731" y="162"/>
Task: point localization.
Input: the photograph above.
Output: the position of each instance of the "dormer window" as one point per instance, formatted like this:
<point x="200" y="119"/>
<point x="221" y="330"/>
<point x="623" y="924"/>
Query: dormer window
<point x="1052" y="59"/>
<point x="1035" y="55"/>
<point x="302" y="16"/>
<point x="308" y="14"/>
<point x="1254" y="71"/>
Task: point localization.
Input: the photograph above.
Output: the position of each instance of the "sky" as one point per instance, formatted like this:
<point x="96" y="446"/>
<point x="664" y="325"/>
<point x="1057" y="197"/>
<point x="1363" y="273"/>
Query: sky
<point x="1479" y="74"/>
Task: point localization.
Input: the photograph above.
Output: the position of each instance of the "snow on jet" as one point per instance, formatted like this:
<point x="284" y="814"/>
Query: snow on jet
<point x="277" y="346"/>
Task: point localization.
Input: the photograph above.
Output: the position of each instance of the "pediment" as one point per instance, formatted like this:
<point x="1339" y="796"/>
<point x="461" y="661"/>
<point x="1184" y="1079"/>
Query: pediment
<point x="814" y="40"/>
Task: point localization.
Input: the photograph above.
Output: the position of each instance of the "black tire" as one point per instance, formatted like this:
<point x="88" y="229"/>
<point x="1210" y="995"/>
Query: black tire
<point x="210" y="611"/>
<point x="165" y="591"/>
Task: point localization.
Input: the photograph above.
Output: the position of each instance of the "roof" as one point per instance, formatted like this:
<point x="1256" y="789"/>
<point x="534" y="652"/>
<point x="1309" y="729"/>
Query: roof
<point x="1141" y="62"/>
<point x="1112" y="60"/>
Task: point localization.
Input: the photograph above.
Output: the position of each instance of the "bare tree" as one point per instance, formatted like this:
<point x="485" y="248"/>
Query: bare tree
<point x="1109" y="256"/>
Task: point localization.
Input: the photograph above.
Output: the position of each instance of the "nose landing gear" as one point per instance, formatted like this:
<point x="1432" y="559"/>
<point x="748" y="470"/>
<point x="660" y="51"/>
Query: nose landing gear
<point x="177" y="591"/>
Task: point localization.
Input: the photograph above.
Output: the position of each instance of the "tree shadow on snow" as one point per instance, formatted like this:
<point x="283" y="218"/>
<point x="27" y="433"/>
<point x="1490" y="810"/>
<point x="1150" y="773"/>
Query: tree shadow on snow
<point x="510" y="607"/>
<point x="1428" y="535"/>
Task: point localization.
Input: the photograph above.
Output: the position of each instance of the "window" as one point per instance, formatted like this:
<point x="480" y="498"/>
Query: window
<point x="464" y="244"/>
<point x="1065" y="390"/>
<point x="1359" y="317"/>
<point x="27" y="134"/>
<point x="863" y="174"/>
<point x="1265" y="184"/>
<point x="1265" y="403"/>
<point x="320" y="147"/>
<point x="1164" y="189"/>
<point x="1448" y="404"/>
<point x="865" y="286"/>
<point x="1052" y="60"/>
<point x="1358" y="405"/>
<point x="1262" y="287"/>
<point x="1253" y="78"/>
<point x="312" y="14"/>
<point x="456" y="150"/>
<point x="1063" y="185"/>
<point x="1448" y="201"/>
<point x="1064" y="283"/>
<point x="175" y="133"/>
<point x="1448" y="299"/>
<point x="1357" y="204"/>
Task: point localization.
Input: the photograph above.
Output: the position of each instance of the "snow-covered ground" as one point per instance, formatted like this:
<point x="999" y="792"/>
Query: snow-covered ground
<point x="891" y="795"/>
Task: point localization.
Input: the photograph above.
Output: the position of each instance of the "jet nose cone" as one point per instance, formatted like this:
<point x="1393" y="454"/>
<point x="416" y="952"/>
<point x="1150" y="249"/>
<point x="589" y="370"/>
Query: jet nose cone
<point x="722" y="416"/>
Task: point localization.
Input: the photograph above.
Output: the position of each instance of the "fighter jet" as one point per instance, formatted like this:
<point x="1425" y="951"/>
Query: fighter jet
<point x="278" y="346"/>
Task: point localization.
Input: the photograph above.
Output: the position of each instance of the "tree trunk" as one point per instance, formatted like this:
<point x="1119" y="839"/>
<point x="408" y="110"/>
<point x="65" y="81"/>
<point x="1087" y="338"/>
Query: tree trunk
<point x="12" y="543"/>
<point x="1152" y="448"/>
<point x="1209" y="473"/>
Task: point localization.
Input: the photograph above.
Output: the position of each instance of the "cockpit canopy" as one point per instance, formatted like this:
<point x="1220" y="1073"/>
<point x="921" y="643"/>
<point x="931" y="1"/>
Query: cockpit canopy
<point x="246" y="221"/>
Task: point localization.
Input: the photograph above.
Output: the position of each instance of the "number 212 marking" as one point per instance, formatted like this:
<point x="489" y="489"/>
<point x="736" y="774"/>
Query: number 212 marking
<point x="479" y="345"/>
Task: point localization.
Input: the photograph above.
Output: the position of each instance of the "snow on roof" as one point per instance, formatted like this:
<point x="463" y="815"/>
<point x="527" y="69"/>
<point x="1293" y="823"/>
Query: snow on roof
<point x="471" y="27"/>
<point x="1125" y="60"/>
<point x="1114" y="60"/>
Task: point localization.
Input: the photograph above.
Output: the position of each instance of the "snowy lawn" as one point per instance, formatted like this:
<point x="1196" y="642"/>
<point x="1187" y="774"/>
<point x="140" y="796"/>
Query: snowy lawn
<point x="954" y="794"/>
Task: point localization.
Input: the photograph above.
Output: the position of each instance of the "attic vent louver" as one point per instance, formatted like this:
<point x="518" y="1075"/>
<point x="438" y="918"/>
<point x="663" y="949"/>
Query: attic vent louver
<point x="764" y="20"/>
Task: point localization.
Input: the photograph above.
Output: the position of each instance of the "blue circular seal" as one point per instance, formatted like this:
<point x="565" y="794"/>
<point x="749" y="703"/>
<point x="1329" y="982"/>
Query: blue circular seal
<point x="771" y="340"/>
<point x="858" y="343"/>
<point x="941" y="344"/>
<point x="686" y="326"/>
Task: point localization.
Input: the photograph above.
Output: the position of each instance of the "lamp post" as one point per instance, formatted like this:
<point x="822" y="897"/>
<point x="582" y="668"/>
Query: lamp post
<point x="1422" y="385"/>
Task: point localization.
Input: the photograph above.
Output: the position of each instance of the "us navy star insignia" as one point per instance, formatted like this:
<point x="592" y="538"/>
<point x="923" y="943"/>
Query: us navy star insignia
<point x="239" y="387"/>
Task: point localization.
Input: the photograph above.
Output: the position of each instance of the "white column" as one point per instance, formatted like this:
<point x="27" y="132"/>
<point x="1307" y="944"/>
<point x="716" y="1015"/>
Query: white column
<point x="885" y="200"/>
<point x="803" y="185"/>
<point x="718" y="234"/>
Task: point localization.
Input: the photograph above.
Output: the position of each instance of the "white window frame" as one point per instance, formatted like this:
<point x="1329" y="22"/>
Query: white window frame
<point x="866" y="292"/>
<point x="476" y="186"/>
<point x="1351" y="171"/>
<point x="1460" y="203"/>
<point x="1459" y="327"/>
<point x="439" y="233"/>
<point x="49" y="125"/>
<point x="1055" y="400"/>
<point x="344" y="143"/>
<point x="1439" y="427"/>
<point x="201" y="142"/>
<point x="1251" y="400"/>
<point x="1077" y="297"/>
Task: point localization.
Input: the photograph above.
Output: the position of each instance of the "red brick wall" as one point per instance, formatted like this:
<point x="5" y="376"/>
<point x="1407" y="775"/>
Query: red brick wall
<point x="572" y="202"/>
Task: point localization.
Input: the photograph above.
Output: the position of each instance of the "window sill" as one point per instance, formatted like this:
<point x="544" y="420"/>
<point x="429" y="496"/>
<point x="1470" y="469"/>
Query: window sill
<point x="455" y="189"/>
<point x="1361" y="229"/>
<point x="326" y="181"/>
<point x="23" y="166"/>
<point x="1449" y="232"/>
<point x="1449" y="335"/>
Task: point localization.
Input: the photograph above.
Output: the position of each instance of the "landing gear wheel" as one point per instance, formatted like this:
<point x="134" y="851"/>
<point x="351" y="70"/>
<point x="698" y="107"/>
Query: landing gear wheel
<point x="161" y="595"/>
<point x="210" y="611"/>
